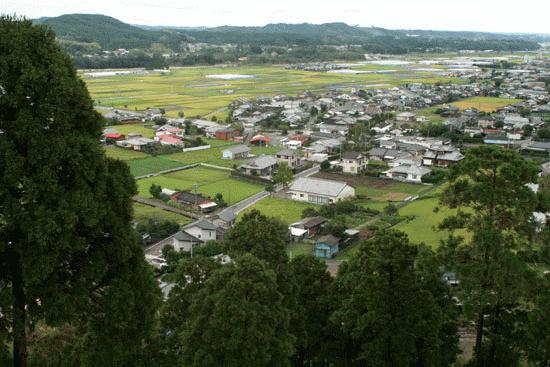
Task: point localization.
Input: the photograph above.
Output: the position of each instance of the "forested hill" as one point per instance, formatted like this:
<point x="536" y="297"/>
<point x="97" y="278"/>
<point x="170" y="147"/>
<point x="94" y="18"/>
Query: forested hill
<point x="109" y="33"/>
<point x="374" y="39"/>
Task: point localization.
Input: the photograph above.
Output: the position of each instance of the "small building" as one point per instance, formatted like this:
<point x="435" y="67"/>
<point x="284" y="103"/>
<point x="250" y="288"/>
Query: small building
<point x="407" y="173"/>
<point x="237" y="152"/>
<point x="135" y="143"/>
<point x="112" y="137"/>
<point x="260" y="141"/>
<point x="226" y="133"/>
<point x="196" y="201"/>
<point x="306" y="228"/>
<point x="353" y="162"/>
<point x="326" y="247"/>
<point x="405" y="117"/>
<point x="169" y="139"/>
<point x="263" y="165"/>
<point x="319" y="191"/>
<point x="289" y="156"/>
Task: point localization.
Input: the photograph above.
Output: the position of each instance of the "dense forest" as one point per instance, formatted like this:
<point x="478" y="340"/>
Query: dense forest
<point x="85" y="36"/>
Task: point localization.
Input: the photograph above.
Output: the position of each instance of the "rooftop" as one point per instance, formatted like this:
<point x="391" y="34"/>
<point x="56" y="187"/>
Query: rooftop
<point x="318" y="186"/>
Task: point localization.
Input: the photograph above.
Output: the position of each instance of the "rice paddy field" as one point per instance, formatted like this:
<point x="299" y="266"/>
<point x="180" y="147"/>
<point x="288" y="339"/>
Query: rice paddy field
<point x="206" y="91"/>
<point x="485" y="104"/>
<point x="123" y="154"/>
<point x="210" y="182"/>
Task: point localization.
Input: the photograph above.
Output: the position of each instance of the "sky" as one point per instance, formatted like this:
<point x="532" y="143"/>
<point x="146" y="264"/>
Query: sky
<point x="526" y="16"/>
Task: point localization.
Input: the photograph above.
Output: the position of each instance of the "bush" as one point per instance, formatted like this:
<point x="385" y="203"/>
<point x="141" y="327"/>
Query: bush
<point x="390" y="209"/>
<point x="309" y="212"/>
<point x="436" y="176"/>
<point x="325" y="165"/>
<point x="158" y="228"/>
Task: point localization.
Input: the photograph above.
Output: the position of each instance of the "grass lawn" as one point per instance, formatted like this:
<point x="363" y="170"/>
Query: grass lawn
<point x="210" y="182"/>
<point x="214" y="156"/>
<point x="423" y="228"/>
<point x="190" y="90"/>
<point x="144" y="130"/>
<point x="123" y="154"/>
<point x="288" y="211"/>
<point x="485" y="104"/>
<point x="299" y="248"/>
<point x="145" y="166"/>
<point x="145" y="211"/>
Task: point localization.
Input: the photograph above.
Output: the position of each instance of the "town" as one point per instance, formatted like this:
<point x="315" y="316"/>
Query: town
<point x="250" y="191"/>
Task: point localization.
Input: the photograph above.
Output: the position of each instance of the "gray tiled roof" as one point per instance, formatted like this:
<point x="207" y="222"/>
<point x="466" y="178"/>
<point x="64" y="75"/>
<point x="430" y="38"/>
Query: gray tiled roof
<point x="203" y="224"/>
<point x="318" y="186"/>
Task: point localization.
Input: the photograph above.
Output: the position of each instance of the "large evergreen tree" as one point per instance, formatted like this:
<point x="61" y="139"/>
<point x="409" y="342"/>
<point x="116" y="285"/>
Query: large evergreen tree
<point x="310" y="315"/>
<point x="65" y="209"/>
<point x="494" y="204"/>
<point x="388" y="312"/>
<point x="238" y="319"/>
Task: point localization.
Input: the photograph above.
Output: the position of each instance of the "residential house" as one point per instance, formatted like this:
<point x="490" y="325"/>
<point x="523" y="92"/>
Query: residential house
<point x="196" y="234"/>
<point x="135" y="143"/>
<point x="169" y="139"/>
<point x="353" y="162"/>
<point x="183" y="241"/>
<point x="405" y="117"/>
<point x="326" y="247"/>
<point x="263" y="165"/>
<point x="289" y="156"/>
<point x="334" y="129"/>
<point x="319" y="191"/>
<point x="236" y="152"/>
<point x="407" y="173"/>
<point x="194" y="200"/>
<point x="225" y="219"/>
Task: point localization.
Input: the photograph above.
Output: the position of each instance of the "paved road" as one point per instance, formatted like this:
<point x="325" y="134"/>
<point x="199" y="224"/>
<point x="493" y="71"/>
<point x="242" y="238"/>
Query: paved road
<point x="308" y="172"/>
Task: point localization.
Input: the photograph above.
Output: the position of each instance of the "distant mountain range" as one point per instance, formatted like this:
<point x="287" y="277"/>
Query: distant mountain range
<point x="110" y="33"/>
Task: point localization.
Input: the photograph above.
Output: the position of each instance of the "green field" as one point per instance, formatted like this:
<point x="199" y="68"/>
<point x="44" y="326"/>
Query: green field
<point x="123" y="154"/>
<point x="210" y="182"/>
<point x="144" y="130"/>
<point x="214" y="156"/>
<point x="145" y="166"/>
<point x="145" y="211"/>
<point x="423" y="228"/>
<point x="288" y="211"/>
<point x="299" y="248"/>
<point x="190" y="90"/>
<point x="485" y="104"/>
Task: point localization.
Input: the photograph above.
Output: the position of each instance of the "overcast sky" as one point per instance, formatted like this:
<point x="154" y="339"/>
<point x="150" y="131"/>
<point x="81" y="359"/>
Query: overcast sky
<point x="476" y="15"/>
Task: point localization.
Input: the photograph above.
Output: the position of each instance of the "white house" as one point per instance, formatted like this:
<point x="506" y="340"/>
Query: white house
<point x="405" y="117"/>
<point x="353" y="162"/>
<point x="238" y="152"/>
<point x="408" y="173"/>
<point x="195" y="234"/>
<point x="319" y="191"/>
<point x="289" y="156"/>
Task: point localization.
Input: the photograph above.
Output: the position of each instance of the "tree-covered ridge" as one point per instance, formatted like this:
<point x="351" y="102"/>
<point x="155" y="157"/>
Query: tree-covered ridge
<point x="111" y="33"/>
<point x="108" y="32"/>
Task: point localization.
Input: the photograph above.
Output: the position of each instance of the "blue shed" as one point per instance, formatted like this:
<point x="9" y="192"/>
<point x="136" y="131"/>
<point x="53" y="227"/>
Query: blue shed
<point x="326" y="246"/>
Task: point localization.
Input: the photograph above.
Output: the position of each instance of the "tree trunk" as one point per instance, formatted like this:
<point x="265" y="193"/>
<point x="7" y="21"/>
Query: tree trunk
<point x="19" y="315"/>
<point x="479" y="339"/>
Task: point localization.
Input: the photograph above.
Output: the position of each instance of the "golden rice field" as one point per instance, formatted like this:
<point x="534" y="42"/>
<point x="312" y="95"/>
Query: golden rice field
<point x="485" y="104"/>
<point x="191" y="91"/>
